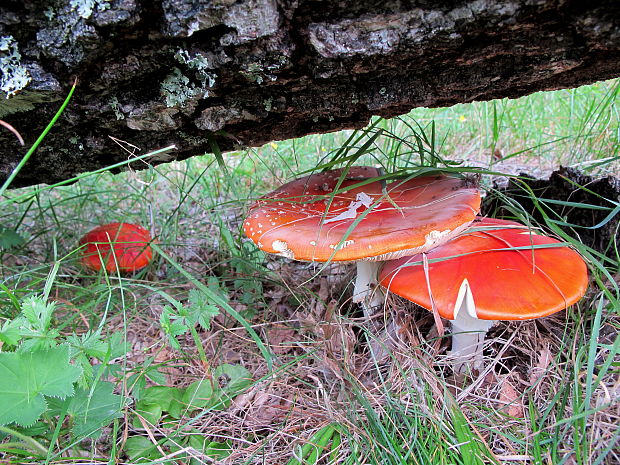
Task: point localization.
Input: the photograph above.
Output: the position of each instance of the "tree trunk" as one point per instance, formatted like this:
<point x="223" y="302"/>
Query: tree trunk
<point x="245" y="72"/>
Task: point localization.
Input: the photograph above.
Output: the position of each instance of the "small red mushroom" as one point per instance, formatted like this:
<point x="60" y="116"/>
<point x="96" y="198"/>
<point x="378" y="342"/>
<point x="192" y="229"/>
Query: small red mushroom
<point x="496" y="270"/>
<point x="124" y="246"/>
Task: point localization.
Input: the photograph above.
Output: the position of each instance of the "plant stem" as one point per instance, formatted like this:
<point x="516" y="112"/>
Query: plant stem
<point x="201" y="351"/>
<point x="27" y="440"/>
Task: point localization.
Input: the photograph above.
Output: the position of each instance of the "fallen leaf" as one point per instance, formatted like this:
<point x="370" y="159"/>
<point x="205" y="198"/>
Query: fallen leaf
<point x="509" y="397"/>
<point x="266" y="407"/>
<point x="280" y="339"/>
<point x="163" y="356"/>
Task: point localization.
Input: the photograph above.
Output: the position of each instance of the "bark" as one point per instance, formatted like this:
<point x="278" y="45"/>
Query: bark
<point x="246" y="72"/>
<point x="589" y="205"/>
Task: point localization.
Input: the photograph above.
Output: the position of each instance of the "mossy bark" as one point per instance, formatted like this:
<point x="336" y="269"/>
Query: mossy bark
<point x="250" y="71"/>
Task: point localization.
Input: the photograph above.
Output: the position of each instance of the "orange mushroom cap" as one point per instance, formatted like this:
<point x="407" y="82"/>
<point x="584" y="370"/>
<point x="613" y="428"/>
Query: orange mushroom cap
<point x="534" y="281"/>
<point x="305" y="220"/>
<point x="124" y="244"/>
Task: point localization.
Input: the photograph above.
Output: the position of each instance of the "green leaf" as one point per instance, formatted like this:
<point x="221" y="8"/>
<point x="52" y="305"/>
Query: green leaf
<point x="9" y="333"/>
<point x="233" y="379"/>
<point x="34" y="323"/>
<point x="147" y="370"/>
<point x="167" y="399"/>
<point x="171" y="326"/>
<point x="37" y="429"/>
<point x="141" y="449"/>
<point x="87" y="370"/>
<point x="137" y="384"/>
<point x="90" y="344"/>
<point x="85" y="347"/>
<point x="201" y="311"/>
<point x="150" y="412"/>
<point x="217" y="450"/>
<point x="177" y="407"/>
<point x="38" y="312"/>
<point x="26" y="377"/>
<point x="161" y="395"/>
<point x="118" y="345"/>
<point x="90" y="411"/>
<point x="208" y="312"/>
<point x="199" y="395"/>
<point x="9" y="238"/>
<point x="156" y="376"/>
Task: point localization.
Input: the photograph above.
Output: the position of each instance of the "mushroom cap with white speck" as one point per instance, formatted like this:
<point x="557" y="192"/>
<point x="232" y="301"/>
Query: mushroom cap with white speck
<point x="315" y="218"/>
<point x="514" y="273"/>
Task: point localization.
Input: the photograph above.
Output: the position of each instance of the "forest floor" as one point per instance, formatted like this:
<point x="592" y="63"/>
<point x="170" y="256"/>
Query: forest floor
<point x="219" y="353"/>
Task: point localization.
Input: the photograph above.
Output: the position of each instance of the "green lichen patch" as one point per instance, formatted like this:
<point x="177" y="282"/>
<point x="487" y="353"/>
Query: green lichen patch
<point x="85" y="8"/>
<point x="254" y="72"/>
<point x="114" y="104"/>
<point x="13" y="76"/>
<point x="200" y="64"/>
<point x="268" y="103"/>
<point x="263" y="70"/>
<point x="177" y="89"/>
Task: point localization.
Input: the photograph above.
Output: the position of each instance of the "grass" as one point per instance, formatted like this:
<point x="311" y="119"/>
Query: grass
<point x="549" y="393"/>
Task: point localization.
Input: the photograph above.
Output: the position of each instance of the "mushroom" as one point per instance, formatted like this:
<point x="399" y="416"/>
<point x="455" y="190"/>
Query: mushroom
<point x="345" y="216"/>
<point x="124" y="245"/>
<point x="496" y="270"/>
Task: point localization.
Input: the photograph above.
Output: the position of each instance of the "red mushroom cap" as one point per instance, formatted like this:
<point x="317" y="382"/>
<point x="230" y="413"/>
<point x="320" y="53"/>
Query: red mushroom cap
<point x="506" y="284"/>
<point x="304" y="220"/>
<point x="124" y="244"/>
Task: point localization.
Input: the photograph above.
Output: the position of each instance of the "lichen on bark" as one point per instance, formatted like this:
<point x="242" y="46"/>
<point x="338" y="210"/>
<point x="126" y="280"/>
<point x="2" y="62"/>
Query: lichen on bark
<point x="245" y="72"/>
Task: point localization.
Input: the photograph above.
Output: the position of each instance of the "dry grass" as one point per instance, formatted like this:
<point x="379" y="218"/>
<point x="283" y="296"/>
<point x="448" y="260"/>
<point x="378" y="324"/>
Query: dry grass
<point x="539" y="398"/>
<point x="322" y="361"/>
<point x="323" y="367"/>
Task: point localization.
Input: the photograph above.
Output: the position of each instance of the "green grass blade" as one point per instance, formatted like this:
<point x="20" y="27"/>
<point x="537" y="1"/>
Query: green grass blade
<point x="36" y="144"/>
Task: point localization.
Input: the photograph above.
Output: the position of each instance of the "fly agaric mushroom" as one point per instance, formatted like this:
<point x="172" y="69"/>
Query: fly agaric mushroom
<point x="113" y="245"/>
<point x="496" y="270"/>
<point x="329" y="216"/>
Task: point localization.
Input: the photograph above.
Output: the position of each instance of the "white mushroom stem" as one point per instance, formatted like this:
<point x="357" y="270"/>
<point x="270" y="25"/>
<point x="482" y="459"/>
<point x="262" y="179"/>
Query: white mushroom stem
<point x="366" y="288"/>
<point x="468" y="332"/>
